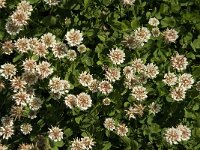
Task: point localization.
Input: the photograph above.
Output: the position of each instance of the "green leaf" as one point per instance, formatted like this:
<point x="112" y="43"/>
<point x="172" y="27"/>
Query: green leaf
<point x="86" y="3"/>
<point x="17" y="58"/>
<point x="196" y="43"/>
<point x="154" y="128"/>
<point x="78" y="119"/>
<point x="33" y="1"/>
<point x="106" y="146"/>
<point x="68" y="132"/>
<point x="59" y="144"/>
<point x="195" y="107"/>
<point x="168" y="22"/>
<point x="135" y="24"/>
<point x="126" y="140"/>
<point x="1" y="35"/>
<point x="134" y="145"/>
<point x="49" y="20"/>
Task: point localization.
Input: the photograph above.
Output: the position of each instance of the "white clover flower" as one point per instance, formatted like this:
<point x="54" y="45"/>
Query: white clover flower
<point x="59" y="50"/>
<point x="22" y="45"/>
<point x="122" y="130"/>
<point x="88" y="142"/>
<point x="25" y="6"/>
<point x="17" y="83"/>
<point x="74" y="37"/>
<point x="6" y="132"/>
<point x="12" y="28"/>
<point x="16" y="112"/>
<point x="21" y="98"/>
<point x="7" y="47"/>
<point x="170" y="35"/>
<point x="35" y="103"/>
<point x="77" y="144"/>
<point x="179" y="62"/>
<point x="105" y="87"/>
<point x="7" y="121"/>
<point x="29" y="66"/>
<point x="93" y="85"/>
<point x="82" y="48"/>
<point x="185" y="132"/>
<point x="44" y="69"/>
<point x="71" y="101"/>
<point x="117" y="56"/>
<point x="48" y="39"/>
<point x="139" y="93"/>
<point x="138" y="65"/>
<point x="84" y="101"/>
<point x="56" y="85"/>
<point x="30" y="78"/>
<point x="113" y="74"/>
<point x="151" y="71"/>
<point x="178" y="93"/>
<point x="19" y="18"/>
<point x="128" y="71"/>
<point x="109" y="124"/>
<point x="155" y="32"/>
<point x="8" y="70"/>
<point x="26" y="128"/>
<point x="131" y="81"/>
<point x="24" y="146"/>
<point x="55" y="134"/>
<point x="106" y="101"/>
<point x="153" y="22"/>
<point x="154" y="108"/>
<point x="71" y="55"/>
<point x="186" y="80"/>
<point x="40" y="49"/>
<point x="172" y="135"/>
<point x="85" y="78"/>
<point x="143" y="34"/>
<point x="131" y="41"/>
<point x="170" y="79"/>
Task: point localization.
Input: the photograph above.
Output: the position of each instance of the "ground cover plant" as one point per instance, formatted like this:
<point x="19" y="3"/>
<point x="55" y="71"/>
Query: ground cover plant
<point x="102" y="75"/>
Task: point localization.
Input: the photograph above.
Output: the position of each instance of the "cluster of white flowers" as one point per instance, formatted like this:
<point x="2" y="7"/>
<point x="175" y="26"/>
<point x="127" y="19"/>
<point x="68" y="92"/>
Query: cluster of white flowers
<point x="83" y="101"/>
<point x="142" y="34"/>
<point x="58" y="86"/>
<point x="7" y="128"/>
<point x="179" y="83"/>
<point x="84" y="143"/>
<point x="178" y="134"/>
<point x="136" y="75"/>
<point x="19" y="17"/>
<point x="121" y="129"/>
<point x="138" y="109"/>
<point x="137" y="39"/>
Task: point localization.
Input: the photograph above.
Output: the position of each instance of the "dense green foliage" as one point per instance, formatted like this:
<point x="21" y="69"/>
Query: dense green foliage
<point x="104" y="24"/>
